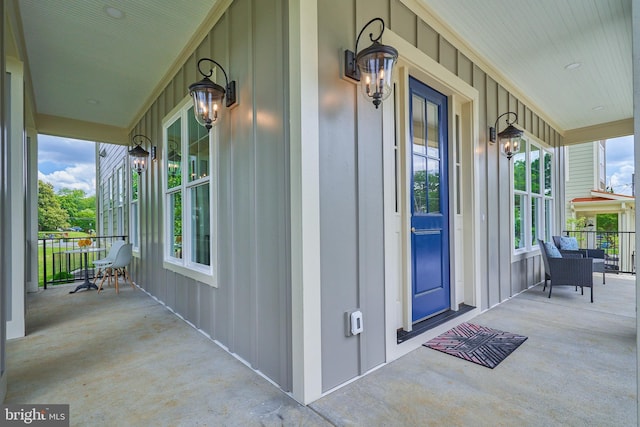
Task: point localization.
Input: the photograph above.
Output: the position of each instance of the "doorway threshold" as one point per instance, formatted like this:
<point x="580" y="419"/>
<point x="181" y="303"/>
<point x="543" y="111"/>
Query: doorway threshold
<point x="432" y="322"/>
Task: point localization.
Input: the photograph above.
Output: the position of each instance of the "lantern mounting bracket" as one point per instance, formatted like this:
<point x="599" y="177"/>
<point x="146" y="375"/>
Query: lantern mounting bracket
<point x="230" y="87"/>
<point x="351" y="69"/>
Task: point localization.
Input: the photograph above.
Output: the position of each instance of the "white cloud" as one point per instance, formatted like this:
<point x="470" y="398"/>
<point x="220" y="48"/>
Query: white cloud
<point x="67" y="163"/>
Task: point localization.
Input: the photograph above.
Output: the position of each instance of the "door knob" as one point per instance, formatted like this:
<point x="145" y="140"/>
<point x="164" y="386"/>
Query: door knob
<point x="413" y="229"/>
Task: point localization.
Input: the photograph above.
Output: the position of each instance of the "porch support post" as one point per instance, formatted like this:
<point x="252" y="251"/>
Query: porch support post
<point x="31" y="210"/>
<point x="4" y="209"/>
<point x="305" y="201"/>
<point x="15" y="196"/>
<point x="635" y="22"/>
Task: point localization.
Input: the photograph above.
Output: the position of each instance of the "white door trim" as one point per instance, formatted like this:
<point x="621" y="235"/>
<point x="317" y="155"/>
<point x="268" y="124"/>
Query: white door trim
<point x="414" y="62"/>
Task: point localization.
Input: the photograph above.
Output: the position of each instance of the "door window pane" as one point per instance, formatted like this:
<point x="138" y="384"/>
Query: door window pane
<point x="419" y="185"/>
<point x="433" y="182"/>
<point x="433" y="131"/>
<point x="458" y="169"/>
<point x="419" y="131"/>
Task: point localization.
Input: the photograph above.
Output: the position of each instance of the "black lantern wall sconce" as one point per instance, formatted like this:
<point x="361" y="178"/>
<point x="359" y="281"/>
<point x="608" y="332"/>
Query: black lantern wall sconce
<point x="509" y="138"/>
<point x="140" y="156"/>
<point x="207" y="96"/>
<point x="372" y="66"/>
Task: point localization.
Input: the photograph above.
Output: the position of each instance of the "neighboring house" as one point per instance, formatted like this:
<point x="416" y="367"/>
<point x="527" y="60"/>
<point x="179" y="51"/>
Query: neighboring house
<point x="585" y="190"/>
<point x="603" y="202"/>
<point x="585" y="171"/>
<point x="623" y="246"/>
<point x="306" y="206"/>
<point x="586" y="197"/>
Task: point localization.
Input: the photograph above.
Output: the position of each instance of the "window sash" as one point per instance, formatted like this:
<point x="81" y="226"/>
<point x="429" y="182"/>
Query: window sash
<point x="189" y="194"/>
<point x="533" y="196"/>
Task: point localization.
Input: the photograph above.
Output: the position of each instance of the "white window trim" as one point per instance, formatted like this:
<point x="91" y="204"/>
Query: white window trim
<point x="530" y="249"/>
<point x="183" y="266"/>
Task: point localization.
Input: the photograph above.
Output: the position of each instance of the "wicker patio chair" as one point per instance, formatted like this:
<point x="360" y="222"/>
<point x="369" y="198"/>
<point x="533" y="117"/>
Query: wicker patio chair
<point x="566" y="269"/>
<point x="596" y="254"/>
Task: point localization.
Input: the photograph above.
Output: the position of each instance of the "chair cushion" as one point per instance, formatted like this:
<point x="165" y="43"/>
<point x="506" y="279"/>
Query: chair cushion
<point x="598" y="265"/>
<point x="552" y="251"/>
<point x="568" y="243"/>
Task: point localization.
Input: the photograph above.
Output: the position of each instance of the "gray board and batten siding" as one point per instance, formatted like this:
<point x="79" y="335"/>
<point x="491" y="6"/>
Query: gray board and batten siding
<point x="351" y="197"/>
<point x="249" y="311"/>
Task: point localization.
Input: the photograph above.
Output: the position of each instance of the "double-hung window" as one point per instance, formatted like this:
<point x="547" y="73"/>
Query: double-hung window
<point x="189" y="189"/>
<point x="532" y="196"/>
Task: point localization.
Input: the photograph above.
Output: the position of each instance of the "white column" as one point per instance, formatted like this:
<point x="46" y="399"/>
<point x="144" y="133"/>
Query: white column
<point x="16" y="199"/>
<point x="306" y="340"/>
<point x="635" y="22"/>
<point x="32" y="209"/>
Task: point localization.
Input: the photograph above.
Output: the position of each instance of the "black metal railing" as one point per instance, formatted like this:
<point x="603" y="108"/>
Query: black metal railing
<point x="60" y="262"/>
<point x="619" y="247"/>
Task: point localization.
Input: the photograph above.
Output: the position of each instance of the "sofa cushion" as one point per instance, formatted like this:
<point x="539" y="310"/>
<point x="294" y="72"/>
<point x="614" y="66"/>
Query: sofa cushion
<point x="568" y="243"/>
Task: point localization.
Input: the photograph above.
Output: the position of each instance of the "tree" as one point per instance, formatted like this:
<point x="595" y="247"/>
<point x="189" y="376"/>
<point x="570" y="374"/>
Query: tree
<point x="51" y="216"/>
<point x="85" y="219"/>
<point x="81" y="209"/>
<point x="576" y="224"/>
<point x="70" y="200"/>
<point x="607" y="222"/>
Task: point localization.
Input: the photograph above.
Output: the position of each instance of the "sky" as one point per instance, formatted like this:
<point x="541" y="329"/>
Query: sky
<point x="619" y="164"/>
<point x="67" y="163"/>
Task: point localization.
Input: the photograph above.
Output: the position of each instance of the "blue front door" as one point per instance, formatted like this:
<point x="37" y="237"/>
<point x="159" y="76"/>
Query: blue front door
<point x="429" y="201"/>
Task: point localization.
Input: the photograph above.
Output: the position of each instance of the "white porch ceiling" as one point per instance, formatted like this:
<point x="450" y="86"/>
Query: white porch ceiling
<point x="533" y="42"/>
<point x="88" y="66"/>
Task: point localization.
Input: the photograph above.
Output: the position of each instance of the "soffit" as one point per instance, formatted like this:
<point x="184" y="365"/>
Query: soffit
<point x="531" y="42"/>
<point x="86" y="65"/>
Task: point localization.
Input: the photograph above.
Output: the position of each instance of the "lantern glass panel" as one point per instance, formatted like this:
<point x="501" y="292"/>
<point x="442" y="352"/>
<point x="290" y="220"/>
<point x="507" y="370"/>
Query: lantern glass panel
<point x="375" y="75"/>
<point x="207" y="103"/>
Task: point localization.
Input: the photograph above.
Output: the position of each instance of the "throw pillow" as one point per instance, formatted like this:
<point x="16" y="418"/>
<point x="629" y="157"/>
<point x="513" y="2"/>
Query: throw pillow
<point x="552" y="251"/>
<point x="568" y="243"/>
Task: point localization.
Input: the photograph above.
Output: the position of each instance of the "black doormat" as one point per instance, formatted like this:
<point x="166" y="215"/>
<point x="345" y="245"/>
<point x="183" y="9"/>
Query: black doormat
<point x="478" y="344"/>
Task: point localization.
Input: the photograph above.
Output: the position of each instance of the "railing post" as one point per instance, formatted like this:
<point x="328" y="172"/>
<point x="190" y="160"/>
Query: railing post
<point x="44" y="262"/>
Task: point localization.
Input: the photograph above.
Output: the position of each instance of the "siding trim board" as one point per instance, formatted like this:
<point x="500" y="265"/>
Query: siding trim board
<point x="304" y="190"/>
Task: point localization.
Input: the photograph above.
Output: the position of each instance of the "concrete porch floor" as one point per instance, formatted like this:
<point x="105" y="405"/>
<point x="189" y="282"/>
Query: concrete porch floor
<point x="125" y="360"/>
